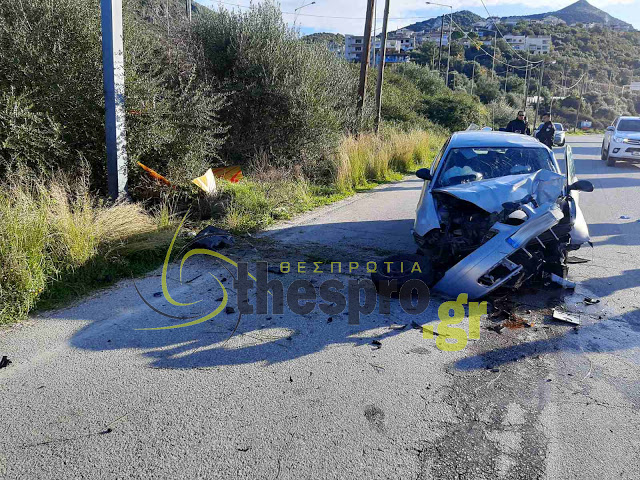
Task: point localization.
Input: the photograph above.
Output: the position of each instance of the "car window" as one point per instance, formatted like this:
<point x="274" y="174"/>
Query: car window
<point x="436" y="161"/>
<point x="558" y="127"/>
<point x="470" y="164"/>
<point x="629" y="125"/>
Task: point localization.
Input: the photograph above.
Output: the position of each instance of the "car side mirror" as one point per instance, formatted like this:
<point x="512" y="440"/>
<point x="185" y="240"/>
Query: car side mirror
<point x="610" y="128"/>
<point x="424" y="174"/>
<point x="582" y="186"/>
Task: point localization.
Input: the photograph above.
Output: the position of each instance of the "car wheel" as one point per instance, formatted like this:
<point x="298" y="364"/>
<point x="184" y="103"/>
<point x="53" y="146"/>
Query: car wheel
<point x="603" y="156"/>
<point x="563" y="143"/>
<point x="611" y="162"/>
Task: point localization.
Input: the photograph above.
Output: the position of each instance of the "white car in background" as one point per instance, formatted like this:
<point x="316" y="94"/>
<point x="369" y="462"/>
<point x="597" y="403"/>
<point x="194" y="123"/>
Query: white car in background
<point x="559" y="139"/>
<point x="622" y="141"/>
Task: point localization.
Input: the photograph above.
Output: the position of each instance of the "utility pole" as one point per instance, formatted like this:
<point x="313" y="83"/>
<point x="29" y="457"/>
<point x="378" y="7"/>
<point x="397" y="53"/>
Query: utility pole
<point x="535" y="118"/>
<point x="383" y="51"/>
<point x="527" y="75"/>
<point x="580" y="93"/>
<point x="493" y="67"/>
<point x="188" y="10"/>
<point x="506" y="76"/>
<point x="113" y="71"/>
<point x="446" y="80"/>
<point x="364" y="65"/>
<point x="440" y="51"/>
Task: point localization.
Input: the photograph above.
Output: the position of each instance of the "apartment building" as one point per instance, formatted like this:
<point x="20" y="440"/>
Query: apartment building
<point x="538" y="44"/>
<point x="354" y="46"/>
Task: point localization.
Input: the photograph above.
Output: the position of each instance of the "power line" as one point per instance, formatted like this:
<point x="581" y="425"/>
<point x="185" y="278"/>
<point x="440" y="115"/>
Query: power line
<point x="498" y="30"/>
<point x="515" y="67"/>
<point x="322" y="16"/>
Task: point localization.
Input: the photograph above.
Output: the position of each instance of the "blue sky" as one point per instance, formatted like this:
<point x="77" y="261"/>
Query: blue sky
<point x="402" y="11"/>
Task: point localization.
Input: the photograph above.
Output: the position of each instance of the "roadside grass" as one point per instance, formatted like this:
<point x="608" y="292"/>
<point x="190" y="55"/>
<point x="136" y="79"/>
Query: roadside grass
<point x="362" y="163"/>
<point x="58" y="241"/>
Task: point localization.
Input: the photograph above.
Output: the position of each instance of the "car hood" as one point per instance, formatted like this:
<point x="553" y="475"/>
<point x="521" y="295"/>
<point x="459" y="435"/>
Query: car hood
<point x="632" y="135"/>
<point x="544" y="186"/>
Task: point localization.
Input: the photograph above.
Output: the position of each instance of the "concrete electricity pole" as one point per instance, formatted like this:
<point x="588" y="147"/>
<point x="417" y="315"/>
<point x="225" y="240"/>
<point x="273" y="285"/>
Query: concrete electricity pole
<point x="113" y="68"/>
<point x="446" y="78"/>
<point x="188" y="9"/>
<point x="364" y="65"/>
<point x="383" y="51"/>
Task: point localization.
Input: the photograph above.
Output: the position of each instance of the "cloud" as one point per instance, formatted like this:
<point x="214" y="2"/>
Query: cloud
<point x="322" y="15"/>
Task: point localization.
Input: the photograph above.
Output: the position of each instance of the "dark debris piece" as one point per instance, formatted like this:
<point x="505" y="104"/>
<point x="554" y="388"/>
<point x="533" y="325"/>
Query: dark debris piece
<point x="377" y="344"/>
<point x="591" y="301"/>
<point x="213" y="237"/>
<point x="496" y="328"/>
<point x="229" y="310"/>
<point x="4" y="362"/>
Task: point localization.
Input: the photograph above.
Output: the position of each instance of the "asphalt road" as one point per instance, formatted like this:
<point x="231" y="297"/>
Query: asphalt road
<point x="308" y="396"/>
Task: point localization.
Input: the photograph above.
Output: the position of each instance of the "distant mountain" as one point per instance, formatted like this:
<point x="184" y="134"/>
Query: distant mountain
<point x="580" y="12"/>
<point x="464" y="18"/>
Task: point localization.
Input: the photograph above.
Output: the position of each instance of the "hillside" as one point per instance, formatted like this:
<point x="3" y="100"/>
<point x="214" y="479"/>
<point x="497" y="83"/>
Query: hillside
<point x="324" y="37"/>
<point x="464" y="18"/>
<point x="579" y="12"/>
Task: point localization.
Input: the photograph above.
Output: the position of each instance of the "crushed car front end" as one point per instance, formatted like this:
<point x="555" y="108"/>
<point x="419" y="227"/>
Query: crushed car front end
<point x="485" y="234"/>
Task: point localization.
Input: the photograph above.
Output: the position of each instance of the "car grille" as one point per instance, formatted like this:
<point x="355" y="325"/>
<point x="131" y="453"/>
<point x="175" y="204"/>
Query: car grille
<point x="633" y="142"/>
<point x="632" y="150"/>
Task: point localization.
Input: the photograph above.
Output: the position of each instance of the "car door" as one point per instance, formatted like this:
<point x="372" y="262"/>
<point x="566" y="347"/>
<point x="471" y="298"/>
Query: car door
<point x="608" y="134"/>
<point x="580" y="232"/>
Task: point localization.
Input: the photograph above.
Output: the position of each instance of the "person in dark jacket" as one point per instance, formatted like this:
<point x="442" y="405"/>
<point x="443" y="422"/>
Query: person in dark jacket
<point x="519" y="125"/>
<point x="547" y="131"/>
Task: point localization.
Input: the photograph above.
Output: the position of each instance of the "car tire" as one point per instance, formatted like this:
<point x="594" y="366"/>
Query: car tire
<point x="611" y="162"/>
<point x="603" y="156"/>
<point x="563" y="143"/>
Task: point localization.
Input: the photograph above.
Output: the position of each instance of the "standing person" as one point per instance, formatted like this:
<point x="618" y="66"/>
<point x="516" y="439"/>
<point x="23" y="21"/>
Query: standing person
<point x="547" y="131"/>
<point x="519" y="125"/>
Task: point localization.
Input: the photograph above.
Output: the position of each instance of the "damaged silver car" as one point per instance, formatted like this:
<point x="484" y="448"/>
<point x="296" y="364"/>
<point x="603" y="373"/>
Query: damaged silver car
<point x="496" y="211"/>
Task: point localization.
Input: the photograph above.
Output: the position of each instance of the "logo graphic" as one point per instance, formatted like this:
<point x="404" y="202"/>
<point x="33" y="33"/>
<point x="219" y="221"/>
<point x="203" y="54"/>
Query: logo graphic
<point x="332" y="297"/>
<point x="165" y="291"/>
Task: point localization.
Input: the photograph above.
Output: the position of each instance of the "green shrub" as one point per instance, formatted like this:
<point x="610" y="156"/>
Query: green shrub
<point x="287" y="99"/>
<point x="455" y="111"/>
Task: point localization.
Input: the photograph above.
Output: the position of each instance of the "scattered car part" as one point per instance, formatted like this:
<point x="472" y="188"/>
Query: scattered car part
<point x="4" y="361"/>
<point x="566" y="317"/>
<point x="563" y="282"/>
<point x="212" y="237"/>
<point x="591" y="301"/>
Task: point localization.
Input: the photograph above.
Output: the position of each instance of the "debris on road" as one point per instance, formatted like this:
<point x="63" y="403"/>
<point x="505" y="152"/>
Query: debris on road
<point x="416" y="326"/>
<point x="625" y="217"/>
<point x="496" y="328"/>
<point x="572" y="260"/>
<point x="229" y="310"/>
<point x="212" y="237"/>
<point x="4" y="361"/>
<point x="377" y="344"/>
<point x="566" y="317"/>
<point x="157" y="294"/>
<point x="591" y="301"/>
<point x="563" y="282"/>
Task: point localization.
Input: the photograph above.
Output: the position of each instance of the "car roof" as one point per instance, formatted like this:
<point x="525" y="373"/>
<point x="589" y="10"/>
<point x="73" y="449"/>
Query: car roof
<point x="476" y="138"/>
<point x="628" y="118"/>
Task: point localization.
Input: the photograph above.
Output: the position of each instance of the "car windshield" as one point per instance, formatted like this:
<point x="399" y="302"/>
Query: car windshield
<point x="470" y="164"/>
<point x="630" y="125"/>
